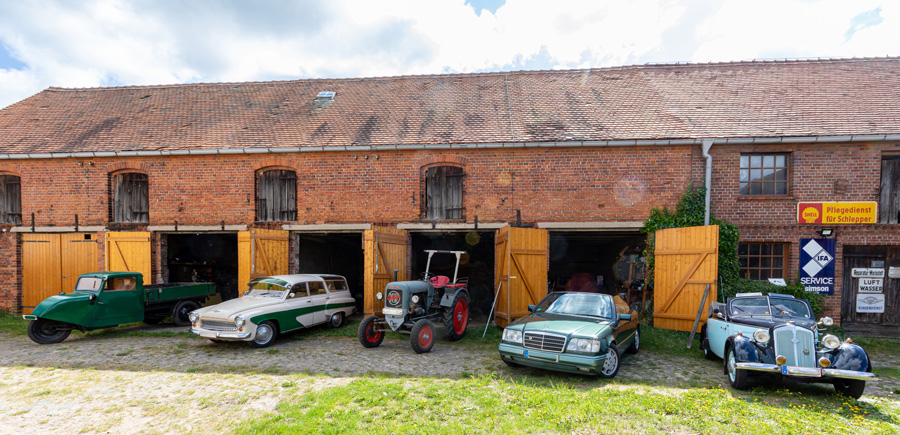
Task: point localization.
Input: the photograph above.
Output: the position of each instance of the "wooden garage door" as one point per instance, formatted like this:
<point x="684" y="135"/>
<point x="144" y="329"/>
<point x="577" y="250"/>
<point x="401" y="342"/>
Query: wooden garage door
<point x="870" y="257"/>
<point x="262" y="252"/>
<point x="521" y="258"/>
<point x="386" y="250"/>
<point x="129" y="252"/>
<point x="687" y="259"/>
<point x="51" y="263"/>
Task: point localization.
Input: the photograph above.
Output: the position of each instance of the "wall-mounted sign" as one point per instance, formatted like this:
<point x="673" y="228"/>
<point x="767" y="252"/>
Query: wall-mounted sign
<point x="870" y="303"/>
<point x="894" y="272"/>
<point x="837" y="213"/>
<point x="817" y="265"/>
<point x="858" y="272"/>
<point x="871" y="285"/>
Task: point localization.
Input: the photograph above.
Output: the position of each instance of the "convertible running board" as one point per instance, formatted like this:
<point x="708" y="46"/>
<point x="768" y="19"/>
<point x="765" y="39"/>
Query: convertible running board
<point x="807" y="372"/>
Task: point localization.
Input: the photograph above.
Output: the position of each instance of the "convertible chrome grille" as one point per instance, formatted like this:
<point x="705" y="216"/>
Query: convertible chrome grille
<point x="797" y="345"/>
<point x="217" y="325"/>
<point x="541" y="341"/>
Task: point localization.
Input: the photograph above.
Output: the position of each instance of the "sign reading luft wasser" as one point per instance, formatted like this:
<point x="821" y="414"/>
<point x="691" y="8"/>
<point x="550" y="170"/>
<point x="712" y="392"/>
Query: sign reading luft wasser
<point x="836" y="213"/>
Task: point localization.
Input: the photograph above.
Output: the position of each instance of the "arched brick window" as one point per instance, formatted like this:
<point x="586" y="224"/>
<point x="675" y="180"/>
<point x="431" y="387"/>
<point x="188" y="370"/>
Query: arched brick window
<point x="130" y="193"/>
<point x="10" y="200"/>
<point x="444" y="193"/>
<point x="276" y="195"/>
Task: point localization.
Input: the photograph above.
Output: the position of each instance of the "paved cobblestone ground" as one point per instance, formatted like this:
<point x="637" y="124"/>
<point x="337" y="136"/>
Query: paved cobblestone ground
<point x="146" y="385"/>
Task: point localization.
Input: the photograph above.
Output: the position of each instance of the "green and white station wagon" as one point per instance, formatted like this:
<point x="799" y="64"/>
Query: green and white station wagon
<point x="274" y="305"/>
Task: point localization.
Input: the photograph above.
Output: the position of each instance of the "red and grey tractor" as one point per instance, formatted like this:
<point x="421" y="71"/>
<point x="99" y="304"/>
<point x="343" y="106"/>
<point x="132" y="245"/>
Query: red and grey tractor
<point x="413" y="307"/>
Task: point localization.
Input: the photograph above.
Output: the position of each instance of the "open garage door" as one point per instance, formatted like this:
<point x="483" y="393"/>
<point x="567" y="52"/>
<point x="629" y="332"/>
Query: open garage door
<point x="262" y="252"/>
<point x="129" y="252"/>
<point x="521" y="259"/>
<point x="52" y="262"/>
<point x="386" y="250"/>
<point x="687" y="259"/>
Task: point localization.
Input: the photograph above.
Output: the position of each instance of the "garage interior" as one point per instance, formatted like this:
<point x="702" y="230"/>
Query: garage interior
<point x="204" y="258"/>
<point x="605" y="262"/>
<point x="478" y="266"/>
<point x="334" y="253"/>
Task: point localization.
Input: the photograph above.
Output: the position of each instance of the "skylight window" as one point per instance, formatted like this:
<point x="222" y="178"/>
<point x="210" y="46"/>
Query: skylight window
<point x="325" y="96"/>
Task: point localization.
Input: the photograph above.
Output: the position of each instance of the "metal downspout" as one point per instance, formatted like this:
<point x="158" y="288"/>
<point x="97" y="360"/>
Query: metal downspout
<point x="707" y="144"/>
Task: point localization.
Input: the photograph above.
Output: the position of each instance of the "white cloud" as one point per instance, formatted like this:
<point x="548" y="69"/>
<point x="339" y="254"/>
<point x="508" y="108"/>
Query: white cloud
<point x="113" y="42"/>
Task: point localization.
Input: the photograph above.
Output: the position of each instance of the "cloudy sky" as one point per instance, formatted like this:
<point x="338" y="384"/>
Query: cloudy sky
<point x="88" y="43"/>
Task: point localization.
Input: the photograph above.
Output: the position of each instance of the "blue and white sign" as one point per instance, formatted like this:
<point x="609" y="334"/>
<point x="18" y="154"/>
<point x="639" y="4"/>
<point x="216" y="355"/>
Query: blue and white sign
<point x="817" y="265"/>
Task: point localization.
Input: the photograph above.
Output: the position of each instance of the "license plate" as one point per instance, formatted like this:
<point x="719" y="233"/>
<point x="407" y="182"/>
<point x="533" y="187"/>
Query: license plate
<point x="206" y="334"/>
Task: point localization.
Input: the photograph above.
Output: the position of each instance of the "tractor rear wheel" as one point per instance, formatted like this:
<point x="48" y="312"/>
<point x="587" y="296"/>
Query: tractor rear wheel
<point x="368" y="335"/>
<point x="456" y="318"/>
<point x="422" y="337"/>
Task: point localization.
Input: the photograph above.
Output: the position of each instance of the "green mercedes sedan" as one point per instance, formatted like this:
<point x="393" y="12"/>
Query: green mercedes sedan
<point x="573" y="332"/>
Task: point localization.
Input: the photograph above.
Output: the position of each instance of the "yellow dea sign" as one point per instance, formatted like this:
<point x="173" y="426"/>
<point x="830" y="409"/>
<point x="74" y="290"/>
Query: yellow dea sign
<point x="837" y="212"/>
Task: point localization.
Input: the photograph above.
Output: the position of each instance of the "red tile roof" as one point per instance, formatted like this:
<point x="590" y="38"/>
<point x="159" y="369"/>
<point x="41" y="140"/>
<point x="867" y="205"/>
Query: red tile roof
<point x="692" y="101"/>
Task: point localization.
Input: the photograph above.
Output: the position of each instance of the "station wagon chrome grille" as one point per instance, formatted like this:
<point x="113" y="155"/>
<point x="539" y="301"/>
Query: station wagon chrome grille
<point x="541" y="341"/>
<point x="797" y="345"/>
<point x="217" y="325"/>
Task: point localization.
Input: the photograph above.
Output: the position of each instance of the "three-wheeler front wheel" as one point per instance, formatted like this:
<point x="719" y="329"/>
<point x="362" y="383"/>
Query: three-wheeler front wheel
<point x="45" y="331"/>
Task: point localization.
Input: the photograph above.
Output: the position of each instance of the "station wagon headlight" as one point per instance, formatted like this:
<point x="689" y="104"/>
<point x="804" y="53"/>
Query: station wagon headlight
<point x="831" y="341"/>
<point x="583" y="345"/>
<point x="193" y="316"/>
<point x="239" y="321"/>
<point x="512" y="335"/>
<point x="761" y="336"/>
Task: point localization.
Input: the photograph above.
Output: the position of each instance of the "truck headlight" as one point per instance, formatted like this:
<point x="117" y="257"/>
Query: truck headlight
<point x="583" y="345"/>
<point x="379" y="296"/>
<point x="193" y="316"/>
<point x="761" y="336"/>
<point x="512" y="335"/>
<point x="239" y="321"/>
<point x="831" y="341"/>
<point x="414" y="299"/>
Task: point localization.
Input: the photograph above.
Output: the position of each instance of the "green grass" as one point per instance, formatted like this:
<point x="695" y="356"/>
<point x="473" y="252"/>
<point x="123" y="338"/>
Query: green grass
<point x="13" y="324"/>
<point x="670" y="342"/>
<point x="490" y="405"/>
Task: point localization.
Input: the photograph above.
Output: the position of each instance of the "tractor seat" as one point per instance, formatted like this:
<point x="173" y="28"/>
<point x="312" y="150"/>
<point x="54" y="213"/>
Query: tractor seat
<point x="457" y="285"/>
<point x="439" y="281"/>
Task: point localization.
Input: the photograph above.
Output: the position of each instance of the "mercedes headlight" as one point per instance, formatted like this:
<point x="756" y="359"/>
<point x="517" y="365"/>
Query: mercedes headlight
<point x="831" y="341"/>
<point x="512" y="335"/>
<point x="583" y="345"/>
<point x="193" y="316"/>
<point x="761" y="336"/>
<point x="239" y="321"/>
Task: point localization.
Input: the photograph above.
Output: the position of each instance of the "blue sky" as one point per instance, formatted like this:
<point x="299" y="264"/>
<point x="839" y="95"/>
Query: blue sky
<point x="90" y="43"/>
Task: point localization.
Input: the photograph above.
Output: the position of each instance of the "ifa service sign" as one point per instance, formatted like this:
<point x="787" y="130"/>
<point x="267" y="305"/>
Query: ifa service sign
<point x="817" y="265"/>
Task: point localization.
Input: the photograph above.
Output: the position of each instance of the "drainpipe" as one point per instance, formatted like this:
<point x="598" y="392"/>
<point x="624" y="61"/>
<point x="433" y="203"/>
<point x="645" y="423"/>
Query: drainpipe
<point x="707" y="144"/>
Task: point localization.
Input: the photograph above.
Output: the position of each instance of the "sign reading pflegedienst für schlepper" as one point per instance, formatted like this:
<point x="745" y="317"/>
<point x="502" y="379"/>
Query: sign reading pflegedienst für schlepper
<point x="837" y="213"/>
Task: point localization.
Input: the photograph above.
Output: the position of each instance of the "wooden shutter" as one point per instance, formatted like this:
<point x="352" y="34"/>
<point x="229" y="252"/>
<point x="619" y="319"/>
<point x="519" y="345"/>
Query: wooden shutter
<point x="129" y="252"/>
<point x="385" y="250"/>
<point x="890" y="191"/>
<point x="276" y="199"/>
<point x="521" y="260"/>
<point x="262" y="252"/>
<point x="687" y="259"/>
<point x="10" y="200"/>
<point x="131" y="198"/>
<point x="443" y="192"/>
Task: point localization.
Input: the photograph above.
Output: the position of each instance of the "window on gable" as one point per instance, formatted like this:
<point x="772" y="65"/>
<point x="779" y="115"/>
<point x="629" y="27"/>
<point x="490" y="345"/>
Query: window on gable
<point x="764" y="174"/>
<point x="131" y="198"/>
<point x="443" y="193"/>
<point x="10" y="200"/>
<point x="890" y="190"/>
<point x="276" y="196"/>
<point x="761" y="261"/>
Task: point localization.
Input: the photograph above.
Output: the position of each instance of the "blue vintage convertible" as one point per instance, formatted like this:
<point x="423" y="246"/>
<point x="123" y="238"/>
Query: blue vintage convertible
<point x="777" y="335"/>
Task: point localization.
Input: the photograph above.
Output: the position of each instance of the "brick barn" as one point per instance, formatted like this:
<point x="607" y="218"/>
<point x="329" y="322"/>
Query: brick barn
<point x="544" y="177"/>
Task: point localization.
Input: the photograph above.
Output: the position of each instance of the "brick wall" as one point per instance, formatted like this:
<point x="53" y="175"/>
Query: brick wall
<point x="10" y="271"/>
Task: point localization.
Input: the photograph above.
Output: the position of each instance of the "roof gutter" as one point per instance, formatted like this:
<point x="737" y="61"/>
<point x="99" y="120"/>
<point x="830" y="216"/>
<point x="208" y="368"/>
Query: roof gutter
<point x="707" y="144"/>
<point x="463" y="146"/>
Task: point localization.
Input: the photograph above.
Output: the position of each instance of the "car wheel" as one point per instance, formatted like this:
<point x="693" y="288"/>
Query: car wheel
<point x="850" y="387"/>
<point x="369" y="335"/>
<point x="336" y="320"/>
<point x="610" y="366"/>
<point x="265" y="334"/>
<point x="456" y="318"/>
<point x="737" y="378"/>
<point x="181" y="311"/>
<point x="44" y="331"/>
<point x="636" y="344"/>
<point x="422" y="336"/>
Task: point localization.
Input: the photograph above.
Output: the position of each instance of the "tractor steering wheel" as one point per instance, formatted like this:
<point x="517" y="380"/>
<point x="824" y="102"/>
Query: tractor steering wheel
<point x="426" y="276"/>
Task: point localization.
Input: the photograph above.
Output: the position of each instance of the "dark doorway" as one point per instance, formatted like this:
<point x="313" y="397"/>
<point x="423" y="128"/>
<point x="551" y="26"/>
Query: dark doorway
<point x="478" y="266"/>
<point x="204" y="258"/>
<point x="605" y="262"/>
<point x="334" y="253"/>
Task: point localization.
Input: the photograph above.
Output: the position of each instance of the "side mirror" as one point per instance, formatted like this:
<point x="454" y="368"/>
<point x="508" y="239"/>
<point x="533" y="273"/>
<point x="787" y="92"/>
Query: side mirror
<point x="92" y="298"/>
<point x="624" y="316"/>
<point x="531" y="308"/>
<point x="720" y="316"/>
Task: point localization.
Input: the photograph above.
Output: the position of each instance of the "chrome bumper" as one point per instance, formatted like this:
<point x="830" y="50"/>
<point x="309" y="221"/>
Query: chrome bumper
<point x="807" y="372"/>
<point x="222" y="335"/>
